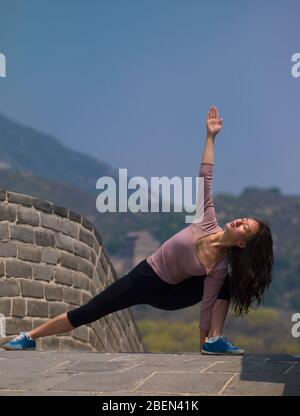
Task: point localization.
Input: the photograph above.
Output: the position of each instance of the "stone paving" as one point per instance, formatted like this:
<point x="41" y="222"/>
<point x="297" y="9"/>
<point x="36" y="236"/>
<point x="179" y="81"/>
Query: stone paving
<point x="73" y="373"/>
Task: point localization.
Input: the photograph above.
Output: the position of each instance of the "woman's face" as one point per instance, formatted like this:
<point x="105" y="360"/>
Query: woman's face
<point x="242" y="230"/>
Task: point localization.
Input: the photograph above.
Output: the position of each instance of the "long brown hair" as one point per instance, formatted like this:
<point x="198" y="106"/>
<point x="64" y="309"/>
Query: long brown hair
<point x="250" y="269"/>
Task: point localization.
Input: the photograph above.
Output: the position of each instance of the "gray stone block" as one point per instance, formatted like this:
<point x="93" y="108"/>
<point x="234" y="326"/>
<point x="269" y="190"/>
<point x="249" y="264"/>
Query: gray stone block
<point x="38" y="321"/>
<point x="92" y="337"/>
<point x="18" y="307"/>
<point x="85" y="267"/>
<point x="82" y="249"/>
<point x="103" y="261"/>
<point x="50" y="255"/>
<point x="53" y="292"/>
<point x="85" y="297"/>
<point x="3" y="195"/>
<point x="81" y="333"/>
<point x="9" y="287"/>
<point x="87" y="237"/>
<point x="57" y="308"/>
<point x="19" y="198"/>
<point x="49" y="343"/>
<point x="31" y="288"/>
<point x="64" y="242"/>
<point x="5" y="305"/>
<point x="87" y="224"/>
<point x="18" y="268"/>
<point x="100" y="345"/>
<point x="64" y="276"/>
<point x="51" y="221"/>
<point x="27" y="216"/>
<point x="4" y="233"/>
<point x="46" y="206"/>
<point x="22" y="232"/>
<point x="70" y="228"/>
<point x="37" y="308"/>
<point x="69" y="260"/>
<point x="61" y="211"/>
<point x="44" y="238"/>
<point x="15" y="325"/>
<point x="72" y="296"/>
<point x="111" y="339"/>
<point x="93" y="257"/>
<point x="93" y="290"/>
<point x="80" y="281"/>
<point x="8" y="249"/>
<point x="101" y="272"/>
<point x="7" y="212"/>
<point x="96" y="279"/>
<point x="74" y="216"/>
<point x="2" y="269"/>
<point x="68" y="343"/>
<point x="29" y="252"/>
<point x="113" y="328"/>
<point x="43" y="272"/>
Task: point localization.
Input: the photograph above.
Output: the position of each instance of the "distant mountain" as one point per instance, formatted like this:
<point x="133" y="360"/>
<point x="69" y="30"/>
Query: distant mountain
<point x="60" y="193"/>
<point x="26" y="149"/>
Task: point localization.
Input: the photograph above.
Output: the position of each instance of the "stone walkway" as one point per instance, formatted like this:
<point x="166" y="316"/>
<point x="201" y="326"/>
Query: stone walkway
<point x="45" y="372"/>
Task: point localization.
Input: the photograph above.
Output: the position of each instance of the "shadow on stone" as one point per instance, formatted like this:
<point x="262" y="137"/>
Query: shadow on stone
<point x="266" y="374"/>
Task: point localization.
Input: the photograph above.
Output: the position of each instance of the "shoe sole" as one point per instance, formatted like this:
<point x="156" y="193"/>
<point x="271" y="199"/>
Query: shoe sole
<point x="222" y="353"/>
<point x="16" y="349"/>
<point x="4" y="340"/>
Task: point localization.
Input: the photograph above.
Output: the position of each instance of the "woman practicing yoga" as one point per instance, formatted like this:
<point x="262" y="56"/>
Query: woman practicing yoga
<point x="202" y="262"/>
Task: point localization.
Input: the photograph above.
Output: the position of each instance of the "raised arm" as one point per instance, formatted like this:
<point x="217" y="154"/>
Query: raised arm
<point x="213" y="127"/>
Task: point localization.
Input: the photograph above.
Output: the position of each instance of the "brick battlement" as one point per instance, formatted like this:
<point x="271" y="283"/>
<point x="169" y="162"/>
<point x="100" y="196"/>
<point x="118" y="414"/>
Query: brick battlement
<point x="52" y="260"/>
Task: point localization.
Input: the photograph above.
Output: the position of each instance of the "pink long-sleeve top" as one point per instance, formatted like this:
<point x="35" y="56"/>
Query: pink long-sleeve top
<point x="176" y="259"/>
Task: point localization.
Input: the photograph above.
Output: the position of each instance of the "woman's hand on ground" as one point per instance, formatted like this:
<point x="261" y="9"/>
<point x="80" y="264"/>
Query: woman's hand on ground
<point x="213" y="123"/>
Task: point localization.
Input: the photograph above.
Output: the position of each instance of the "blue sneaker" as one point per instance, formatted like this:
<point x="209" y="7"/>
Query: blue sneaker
<point x="220" y="345"/>
<point x="21" y="342"/>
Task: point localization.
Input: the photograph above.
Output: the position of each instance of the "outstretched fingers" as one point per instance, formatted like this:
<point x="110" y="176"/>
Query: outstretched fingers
<point x="213" y="112"/>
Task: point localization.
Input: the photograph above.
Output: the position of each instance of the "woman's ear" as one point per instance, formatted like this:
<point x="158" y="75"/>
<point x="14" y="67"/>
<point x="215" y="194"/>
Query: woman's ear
<point x="242" y="244"/>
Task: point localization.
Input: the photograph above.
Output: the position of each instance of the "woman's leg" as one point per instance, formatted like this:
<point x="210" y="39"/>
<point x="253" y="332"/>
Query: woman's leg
<point x="190" y="292"/>
<point x="140" y="286"/>
<point x="185" y="294"/>
<point x="132" y="289"/>
<point x="56" y="325"/>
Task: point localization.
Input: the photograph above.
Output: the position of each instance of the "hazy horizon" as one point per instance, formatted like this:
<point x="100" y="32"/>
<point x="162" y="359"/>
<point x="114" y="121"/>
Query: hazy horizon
<point x="131" y="82"/>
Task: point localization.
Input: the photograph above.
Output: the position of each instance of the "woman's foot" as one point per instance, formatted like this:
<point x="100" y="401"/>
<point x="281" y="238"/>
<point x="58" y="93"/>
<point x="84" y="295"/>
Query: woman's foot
<point x="220" y="345"/>
<point x="21" y="342"/>
<point x="4" y="340"/>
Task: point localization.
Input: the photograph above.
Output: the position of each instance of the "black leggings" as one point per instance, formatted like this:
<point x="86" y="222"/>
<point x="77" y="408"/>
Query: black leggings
<point x="142" y="286"/>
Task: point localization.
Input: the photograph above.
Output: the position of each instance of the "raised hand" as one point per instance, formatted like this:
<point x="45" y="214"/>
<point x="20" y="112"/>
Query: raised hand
<point x="213" y="123"/>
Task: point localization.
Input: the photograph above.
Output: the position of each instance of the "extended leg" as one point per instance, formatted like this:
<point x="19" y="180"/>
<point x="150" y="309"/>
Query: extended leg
<point x="56" y="325"/>
<point x="129" y="290"/>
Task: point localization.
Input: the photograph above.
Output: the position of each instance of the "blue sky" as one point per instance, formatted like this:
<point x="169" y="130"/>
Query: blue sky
<point x="131" y="82"/>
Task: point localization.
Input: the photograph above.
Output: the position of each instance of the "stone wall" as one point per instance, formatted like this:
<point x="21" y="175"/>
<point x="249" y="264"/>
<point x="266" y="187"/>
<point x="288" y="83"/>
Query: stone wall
<point x="51" y="261"/>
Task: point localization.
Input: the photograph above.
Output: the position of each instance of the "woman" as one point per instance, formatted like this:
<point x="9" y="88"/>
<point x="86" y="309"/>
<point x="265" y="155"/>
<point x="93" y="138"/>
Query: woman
<point x="189" y="267"/>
